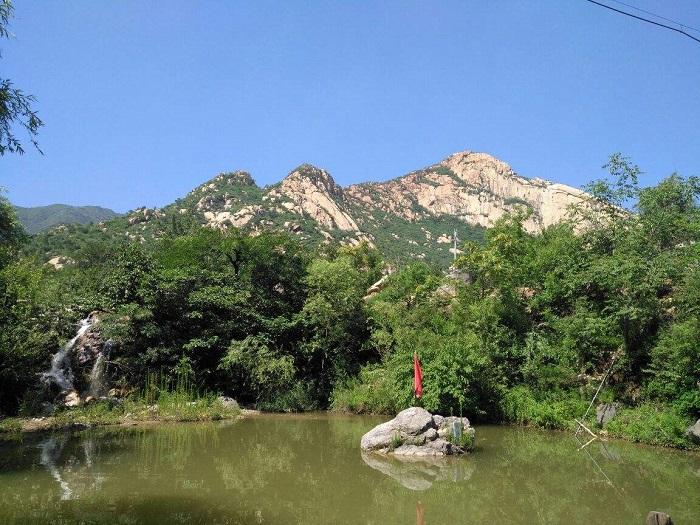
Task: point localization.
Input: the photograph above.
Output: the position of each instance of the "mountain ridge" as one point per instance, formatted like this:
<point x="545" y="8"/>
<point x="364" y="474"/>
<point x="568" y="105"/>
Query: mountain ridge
<point x="39" y="218"/>
<point x="412" y="216"/>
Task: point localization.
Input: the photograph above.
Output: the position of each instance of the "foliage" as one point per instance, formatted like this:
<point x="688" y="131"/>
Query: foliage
<point x="465" y="440"/>
<point x="524" y="332"/>
<point x="542" y="318"/>
<point x="15" y="105"/>
<point x="11" y="232"/>
<point x="39" y="218"/>
<point x="652" y="424"/>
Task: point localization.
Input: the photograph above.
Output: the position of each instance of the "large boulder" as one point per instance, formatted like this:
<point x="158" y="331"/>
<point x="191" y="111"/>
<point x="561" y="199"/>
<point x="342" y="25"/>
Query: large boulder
<point x="416" y="432"/>
<point x="693" y="432"/>
<point x="606" y="412"/>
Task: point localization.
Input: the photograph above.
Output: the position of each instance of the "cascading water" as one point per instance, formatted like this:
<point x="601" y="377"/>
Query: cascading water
<point x="98" y="386"/>
<point x="60" y="372"/>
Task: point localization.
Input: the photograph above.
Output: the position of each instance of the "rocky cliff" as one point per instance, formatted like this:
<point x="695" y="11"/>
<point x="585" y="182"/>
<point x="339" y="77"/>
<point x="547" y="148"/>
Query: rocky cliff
<point x="474" y="187"/>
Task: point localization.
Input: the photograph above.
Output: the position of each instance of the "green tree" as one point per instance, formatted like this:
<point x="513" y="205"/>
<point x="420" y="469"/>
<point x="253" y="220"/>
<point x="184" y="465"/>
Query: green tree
<point x="15" y="106"/>
<point x="12" y="234"/>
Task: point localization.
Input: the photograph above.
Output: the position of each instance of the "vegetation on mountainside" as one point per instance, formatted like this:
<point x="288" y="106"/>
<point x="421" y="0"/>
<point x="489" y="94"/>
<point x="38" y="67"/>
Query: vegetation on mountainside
<point x="39" y="218"/>
<point x="280" y="326"/>
<point x="531" y="338"/>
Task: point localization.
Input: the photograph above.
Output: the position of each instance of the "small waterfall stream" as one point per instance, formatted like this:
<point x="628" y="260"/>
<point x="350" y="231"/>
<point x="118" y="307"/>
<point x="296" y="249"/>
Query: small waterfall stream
<point x="60" y="372"/>
<point x="98" y="385"/>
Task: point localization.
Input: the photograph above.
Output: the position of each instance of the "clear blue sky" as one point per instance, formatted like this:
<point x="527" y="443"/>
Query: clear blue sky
<point x="145" y="100"/>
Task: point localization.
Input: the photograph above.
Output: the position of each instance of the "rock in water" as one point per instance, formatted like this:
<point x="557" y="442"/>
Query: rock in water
<point x="416" y="432"/>
<point x="693" y="432"/>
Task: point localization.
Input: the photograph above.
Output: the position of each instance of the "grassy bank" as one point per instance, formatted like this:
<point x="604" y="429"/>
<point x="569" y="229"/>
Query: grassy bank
<point x="177" y="406"/>
<point x="653" y="424"/>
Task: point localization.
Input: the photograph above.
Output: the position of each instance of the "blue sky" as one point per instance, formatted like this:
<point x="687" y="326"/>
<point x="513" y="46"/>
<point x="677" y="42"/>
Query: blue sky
<point x="145" y="100"/>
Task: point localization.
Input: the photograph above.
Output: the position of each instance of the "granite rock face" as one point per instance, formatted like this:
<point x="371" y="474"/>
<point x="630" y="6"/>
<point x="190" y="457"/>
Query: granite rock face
<point x="418" y="433"/>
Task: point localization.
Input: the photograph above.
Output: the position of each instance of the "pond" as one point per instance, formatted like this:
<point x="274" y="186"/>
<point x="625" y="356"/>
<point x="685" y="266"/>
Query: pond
<point x="281" y="469"/>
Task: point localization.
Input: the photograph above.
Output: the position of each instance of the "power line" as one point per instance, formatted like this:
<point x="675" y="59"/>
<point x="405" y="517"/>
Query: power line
<point x="681" y="24"/>
<point x="645" y="20"/>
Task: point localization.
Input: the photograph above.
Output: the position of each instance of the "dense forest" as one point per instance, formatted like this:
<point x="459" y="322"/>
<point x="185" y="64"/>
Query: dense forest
<point x="524" y="331"/>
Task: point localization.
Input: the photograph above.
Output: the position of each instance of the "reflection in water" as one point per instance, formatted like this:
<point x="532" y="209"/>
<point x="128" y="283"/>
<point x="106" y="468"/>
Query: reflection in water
<point x="50" y="451"/>
<point x="583" y="447"/>
<point x="420" y="472"/>
<point x="80" y="472"/>
<point x="308" y="469"/>
<point x="420" y="514"/>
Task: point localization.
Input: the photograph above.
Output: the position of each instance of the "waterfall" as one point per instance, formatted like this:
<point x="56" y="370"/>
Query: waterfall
<point x="98" y="386"/>
<point x="60" y="372"/>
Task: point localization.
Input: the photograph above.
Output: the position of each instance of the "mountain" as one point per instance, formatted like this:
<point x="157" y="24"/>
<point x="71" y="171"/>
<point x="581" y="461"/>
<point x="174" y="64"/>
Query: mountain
<point x="38" y="218"/>
<point x="412" y="216"/>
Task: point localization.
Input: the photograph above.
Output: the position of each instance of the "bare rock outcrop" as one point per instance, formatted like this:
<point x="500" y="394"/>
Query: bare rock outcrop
<point x="475" y="187"/>
<point x="315" y="193"/>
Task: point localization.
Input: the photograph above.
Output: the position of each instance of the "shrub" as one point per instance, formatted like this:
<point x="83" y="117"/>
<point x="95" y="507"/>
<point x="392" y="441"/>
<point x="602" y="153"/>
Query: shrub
<point x="651" y="424"/>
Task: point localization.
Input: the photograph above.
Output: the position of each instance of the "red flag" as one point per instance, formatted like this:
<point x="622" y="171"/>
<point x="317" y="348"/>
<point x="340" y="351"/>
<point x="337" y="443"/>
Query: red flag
<point x="417" y="376"/>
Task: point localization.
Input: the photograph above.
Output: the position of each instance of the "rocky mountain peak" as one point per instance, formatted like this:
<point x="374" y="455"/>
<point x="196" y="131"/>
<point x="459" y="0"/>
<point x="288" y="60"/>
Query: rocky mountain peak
<point x="238" y="177"/>
<point x="314" y="192"/>
<point x="224" y="181"/>
<point x="308" y="174"/>
<point x="477" y="168"/>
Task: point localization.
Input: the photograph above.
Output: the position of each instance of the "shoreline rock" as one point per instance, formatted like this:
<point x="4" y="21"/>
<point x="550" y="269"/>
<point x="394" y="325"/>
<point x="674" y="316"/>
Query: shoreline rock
<point x="693" y="432"/>
<point x="416" y="432"/>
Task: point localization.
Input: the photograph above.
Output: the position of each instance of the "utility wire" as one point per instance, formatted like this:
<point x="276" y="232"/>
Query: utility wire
<point x="681" y="24"/>
<point x="646" y="20"/>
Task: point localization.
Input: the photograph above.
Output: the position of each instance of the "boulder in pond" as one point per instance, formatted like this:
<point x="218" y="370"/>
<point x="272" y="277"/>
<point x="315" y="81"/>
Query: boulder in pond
<point x="416" y="432"/>
<point x="693" y="432"/>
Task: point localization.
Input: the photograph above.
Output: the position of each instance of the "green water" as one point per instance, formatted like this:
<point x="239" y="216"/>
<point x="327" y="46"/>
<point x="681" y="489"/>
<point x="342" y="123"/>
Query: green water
<point x="309" y="469"/>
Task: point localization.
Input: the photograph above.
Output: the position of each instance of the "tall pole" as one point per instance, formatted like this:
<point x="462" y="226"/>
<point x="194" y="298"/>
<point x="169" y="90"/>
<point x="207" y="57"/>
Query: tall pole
<point x="454" y="246"/>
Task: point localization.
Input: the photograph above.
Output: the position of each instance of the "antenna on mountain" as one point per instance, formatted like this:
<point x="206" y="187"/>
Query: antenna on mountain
<point x="454" y="245"/>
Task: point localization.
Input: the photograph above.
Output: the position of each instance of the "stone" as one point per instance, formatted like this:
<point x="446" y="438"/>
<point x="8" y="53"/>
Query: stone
<point x="658" y="518"/>
<point x="380" y="437"/>
<point x="72" y="399"/>
<point x="431" y="434"/>
<point x="413" y="421"/>
<point x="118" y="392"/>
<point x="415" y="432"/>
<point x="693" y="432"/>
<point x="606" y="412"/>
<point x="228" y="402"/>
<point x="441" y="447"/>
